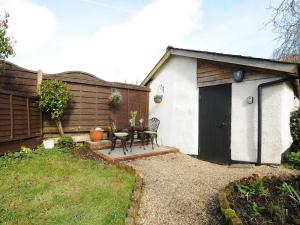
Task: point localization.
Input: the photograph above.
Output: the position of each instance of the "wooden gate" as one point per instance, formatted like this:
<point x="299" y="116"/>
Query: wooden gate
<point x="214" y="123"/>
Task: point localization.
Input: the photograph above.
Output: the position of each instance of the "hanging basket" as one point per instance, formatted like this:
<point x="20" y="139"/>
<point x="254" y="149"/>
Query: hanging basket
<point x="158" y="99"/>
<point x="115" y="99"/>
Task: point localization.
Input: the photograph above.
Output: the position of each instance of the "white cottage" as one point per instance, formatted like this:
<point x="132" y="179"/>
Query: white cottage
<point x="224" y="108"/>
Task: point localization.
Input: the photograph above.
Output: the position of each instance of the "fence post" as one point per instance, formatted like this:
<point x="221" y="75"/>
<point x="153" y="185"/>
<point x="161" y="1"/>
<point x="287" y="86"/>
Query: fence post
<point x="28" y="116"/>
<point x="39" y="80"/>
<point x="11" y="116"/>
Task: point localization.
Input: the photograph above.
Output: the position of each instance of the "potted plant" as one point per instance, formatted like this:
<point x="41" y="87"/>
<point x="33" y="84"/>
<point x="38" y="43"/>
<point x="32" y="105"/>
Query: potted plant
<point x="105" y="135"/>
<point x="115" y="99"/>
<point x="96" y="134"/>
<point x="157" y="98"/>
<point x="111" y="130"/>
<point x="132" y="118"/>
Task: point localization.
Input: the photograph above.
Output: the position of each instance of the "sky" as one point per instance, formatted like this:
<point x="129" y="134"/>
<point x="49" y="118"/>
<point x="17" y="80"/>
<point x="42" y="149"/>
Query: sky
<point x="122" y="40"/>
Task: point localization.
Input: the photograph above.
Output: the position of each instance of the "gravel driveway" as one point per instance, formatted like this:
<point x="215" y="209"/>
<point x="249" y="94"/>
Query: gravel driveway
<point x="182" y="190"/>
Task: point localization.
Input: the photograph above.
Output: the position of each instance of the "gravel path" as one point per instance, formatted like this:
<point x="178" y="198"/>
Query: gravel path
<point x="182" y="190"/>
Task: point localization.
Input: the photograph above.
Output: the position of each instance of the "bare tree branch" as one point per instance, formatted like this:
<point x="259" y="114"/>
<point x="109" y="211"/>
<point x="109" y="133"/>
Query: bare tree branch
<point x="286" y="23"/>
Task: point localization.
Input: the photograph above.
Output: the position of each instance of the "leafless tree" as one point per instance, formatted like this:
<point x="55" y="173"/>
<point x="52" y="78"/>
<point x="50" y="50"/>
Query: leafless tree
<point x="286" y="23"/>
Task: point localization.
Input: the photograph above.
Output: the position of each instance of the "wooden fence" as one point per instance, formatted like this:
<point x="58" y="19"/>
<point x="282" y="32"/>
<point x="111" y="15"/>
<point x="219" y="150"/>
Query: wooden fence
<point x="90" y="106"/>
<point x="20" y="118"/>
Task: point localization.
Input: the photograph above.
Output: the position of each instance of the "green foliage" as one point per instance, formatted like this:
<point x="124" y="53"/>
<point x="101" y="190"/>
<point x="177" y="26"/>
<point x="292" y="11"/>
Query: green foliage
<point x="115" y="98"/>
<point x="284" y="188"/>
<point x="294" y="160"/>
<point x="277" y="214"/>
<point x="66" y="143"/>
<point x="54" y="187"/>
<point x="254" y="209"/>
<point x="295" y="128"/>
<point x="6" y="42"/>
<point x="26" y="150"/>
<point x="294" y="195"/>
<point x="159" y="97"/>
<point x="54" y="97"/>
<point x="11" y="158"/>
<point x="251" y="186"/>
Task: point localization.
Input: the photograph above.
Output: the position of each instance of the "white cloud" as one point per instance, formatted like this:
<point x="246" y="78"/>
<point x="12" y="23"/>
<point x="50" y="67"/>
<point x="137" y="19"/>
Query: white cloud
<point x="240" y="30"/>
<point x="29" y="23"/>
<point x="128" y="51"/>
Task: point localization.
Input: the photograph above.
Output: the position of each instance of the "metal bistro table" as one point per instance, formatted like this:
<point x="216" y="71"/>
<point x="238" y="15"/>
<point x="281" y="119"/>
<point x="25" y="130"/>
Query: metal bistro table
<point x="127" y="136"/>
<point x="123" y="136"/>
<point x="132" y="132"/>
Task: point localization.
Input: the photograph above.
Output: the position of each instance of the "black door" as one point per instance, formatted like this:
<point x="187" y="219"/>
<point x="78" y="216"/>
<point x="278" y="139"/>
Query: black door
<point x="214" y="123"/>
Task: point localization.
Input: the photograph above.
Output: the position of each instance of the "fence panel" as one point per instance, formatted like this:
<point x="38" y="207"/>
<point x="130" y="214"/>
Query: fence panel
<point x="20" y="117"/>
<point x="90" y="106"/>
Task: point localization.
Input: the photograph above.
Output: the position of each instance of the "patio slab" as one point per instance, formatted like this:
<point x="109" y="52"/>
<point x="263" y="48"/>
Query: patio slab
<point x="136" y="153"/>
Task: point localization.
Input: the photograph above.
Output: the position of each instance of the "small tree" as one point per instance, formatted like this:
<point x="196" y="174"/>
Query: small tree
<point x="53" y="98"/>
<point x="6" y="42"/>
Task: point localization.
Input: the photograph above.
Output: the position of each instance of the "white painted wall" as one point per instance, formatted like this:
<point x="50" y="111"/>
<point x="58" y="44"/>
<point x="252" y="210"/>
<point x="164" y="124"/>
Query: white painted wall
<point x="277" y="102"/>
<point x="178" y="111"/>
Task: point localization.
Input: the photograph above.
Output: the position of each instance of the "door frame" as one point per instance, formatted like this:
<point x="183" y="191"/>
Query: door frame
<point x="228" y="121"/>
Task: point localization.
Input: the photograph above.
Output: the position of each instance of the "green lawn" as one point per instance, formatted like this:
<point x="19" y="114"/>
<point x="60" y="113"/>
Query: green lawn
<point x="57" y="188"/>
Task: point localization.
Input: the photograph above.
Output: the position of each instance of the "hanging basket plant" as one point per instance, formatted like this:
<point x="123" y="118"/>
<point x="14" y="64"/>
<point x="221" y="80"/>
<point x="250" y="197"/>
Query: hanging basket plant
<point x="115" y="99"/>
<point x="158" y="99"/>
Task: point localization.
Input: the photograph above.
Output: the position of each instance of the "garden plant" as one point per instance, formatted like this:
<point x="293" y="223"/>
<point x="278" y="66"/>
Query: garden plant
<point x="115" y="99"/>
<point x="53" y="98"/>
<point x="269" y="200"/>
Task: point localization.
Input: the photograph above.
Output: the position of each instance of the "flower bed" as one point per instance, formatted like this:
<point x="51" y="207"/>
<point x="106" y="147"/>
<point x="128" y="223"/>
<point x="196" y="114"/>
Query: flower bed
<point x="269" y="200"/>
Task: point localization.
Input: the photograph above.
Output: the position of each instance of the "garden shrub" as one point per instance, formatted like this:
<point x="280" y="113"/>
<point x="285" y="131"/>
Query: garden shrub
<point x="294" y="160"/>
<point x="66" y="143"/>
<point x="295" y="129"/>
<point x="53" y="98"/>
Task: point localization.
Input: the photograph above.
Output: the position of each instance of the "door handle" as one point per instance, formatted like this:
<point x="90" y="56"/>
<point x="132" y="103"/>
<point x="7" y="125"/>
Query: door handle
<point x="223" y="124"/>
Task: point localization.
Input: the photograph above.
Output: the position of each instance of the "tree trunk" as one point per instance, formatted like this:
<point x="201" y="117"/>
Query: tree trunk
<point x="59" y="126"/>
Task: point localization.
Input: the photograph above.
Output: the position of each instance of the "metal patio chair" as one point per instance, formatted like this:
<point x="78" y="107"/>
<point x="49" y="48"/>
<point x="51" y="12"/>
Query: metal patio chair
<point x="151" y="132"/>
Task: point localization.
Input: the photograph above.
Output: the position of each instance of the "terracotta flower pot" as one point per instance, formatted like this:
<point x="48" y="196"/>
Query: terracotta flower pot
<point x="96" y="135"/>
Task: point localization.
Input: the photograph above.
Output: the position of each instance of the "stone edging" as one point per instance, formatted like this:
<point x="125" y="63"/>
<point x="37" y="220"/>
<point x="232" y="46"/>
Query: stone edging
<point x="136" y="196"/>
<point x="229" y="214"/>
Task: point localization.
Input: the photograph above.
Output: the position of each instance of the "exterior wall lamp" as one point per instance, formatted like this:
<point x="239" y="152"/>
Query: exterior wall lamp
<point x="238" y="75"/>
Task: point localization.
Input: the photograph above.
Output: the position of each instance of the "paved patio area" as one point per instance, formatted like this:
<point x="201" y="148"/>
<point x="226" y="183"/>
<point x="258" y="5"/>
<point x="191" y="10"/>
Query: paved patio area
<point x="182" y="190"/>
<point x="136" y="153"/>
